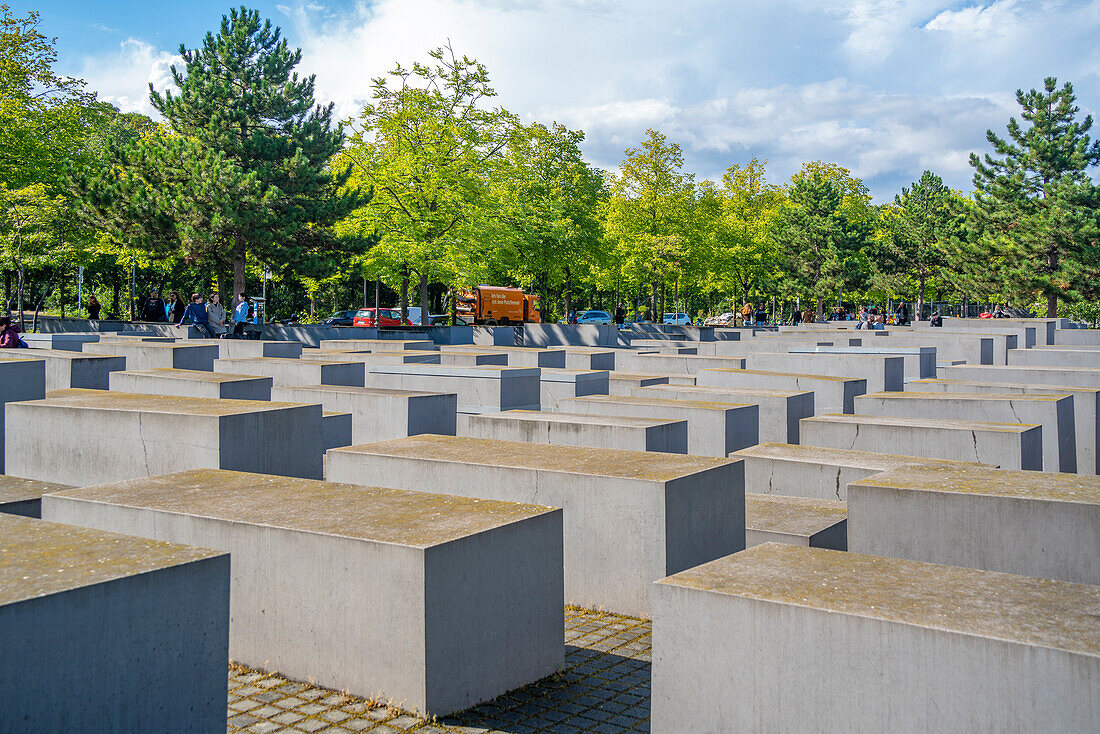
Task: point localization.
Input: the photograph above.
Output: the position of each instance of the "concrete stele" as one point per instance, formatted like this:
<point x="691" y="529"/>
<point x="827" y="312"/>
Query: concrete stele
<point x="1045" y="525"/>
<point x="19" y="496"/>
<point x="378" y="414"/>
<point x="796" y="520"/>
<point x="576" y="429"/>
<point x="436" y="602"/>
<point x="191" y="384"/>
<point x="833" y="634"/>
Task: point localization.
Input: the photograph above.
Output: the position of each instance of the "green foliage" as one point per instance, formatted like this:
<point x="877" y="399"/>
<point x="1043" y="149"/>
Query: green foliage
<point x="1036" y="205"/>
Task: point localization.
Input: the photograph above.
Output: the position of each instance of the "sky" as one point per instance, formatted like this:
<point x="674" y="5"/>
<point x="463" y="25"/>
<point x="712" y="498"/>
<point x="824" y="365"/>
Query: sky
<point x="885" y="88"/>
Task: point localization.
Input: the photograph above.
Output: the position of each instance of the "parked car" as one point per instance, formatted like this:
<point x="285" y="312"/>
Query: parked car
<point x="594" y="317"/>
<point x="433" y="318"/>
<point x="677" y="319"/>
<point x="389" y="318"/>
<point x="341" y="318"/>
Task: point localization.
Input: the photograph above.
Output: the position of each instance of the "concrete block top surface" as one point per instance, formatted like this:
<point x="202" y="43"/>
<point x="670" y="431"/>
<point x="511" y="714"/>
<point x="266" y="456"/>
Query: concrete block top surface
<point x="394" y="516"/>
<point x="978" y="480"/>
<point x="153" y="346"/>
<point x="170" y="373"/>
<point x="39" y="558"/>
<point x="827" y="378"/>
<point x="986" y="396"/>
<point x="384" y="345"/>
<point x="645" y="465"/>
<point x="352" y="390"/>
<point x="276" y="360"/>
<point x="141" y="403"/>
<point x="557" y="374"/>
<point x="1018" y="609"/>
<point x="664" y="402"/>
<point x="840" y="457"/>
<point x="483" y="348"/>
<point x="961" y="425"/>
<point x="793" y="515"/>
<point x="447" y="370"/>
<point x="537" y="416"/>
<point x="731" y="391"/>
<point x="18" y="489"/>
<point x="52" y="354"/>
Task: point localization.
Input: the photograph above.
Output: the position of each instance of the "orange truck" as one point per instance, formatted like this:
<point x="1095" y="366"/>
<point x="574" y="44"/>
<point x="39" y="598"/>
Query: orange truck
<point x="491" y="305"/>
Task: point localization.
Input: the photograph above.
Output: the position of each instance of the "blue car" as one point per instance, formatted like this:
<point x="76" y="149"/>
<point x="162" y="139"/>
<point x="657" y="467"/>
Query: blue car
<point x="594" y="317"/>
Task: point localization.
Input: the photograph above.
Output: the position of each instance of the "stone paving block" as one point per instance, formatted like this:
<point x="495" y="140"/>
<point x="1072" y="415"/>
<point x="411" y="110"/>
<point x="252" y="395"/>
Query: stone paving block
<point x="436" y="602"/>
<point x="106" y="632"/>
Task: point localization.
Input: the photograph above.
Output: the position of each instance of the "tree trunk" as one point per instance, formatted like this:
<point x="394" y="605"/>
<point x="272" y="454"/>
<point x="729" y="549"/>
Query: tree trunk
<point x="425" y="311"/>
<point x="404" y="297"/>
<point x="61" y="297"/>
<point x="1052" y="299"/>
<point x="19" y="298"/>
<point x="820" y="308"/>
<point x="920" y="297"/>
<point x="7" y="293"/>
<point x="567" y="294"/>
<point x="654" y="302"/>
<point x="238" y="267"/>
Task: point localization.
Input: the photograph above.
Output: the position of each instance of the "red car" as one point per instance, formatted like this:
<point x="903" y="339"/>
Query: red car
<point x="390" y="317"/>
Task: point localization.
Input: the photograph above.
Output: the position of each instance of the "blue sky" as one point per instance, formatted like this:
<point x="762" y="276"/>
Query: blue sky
<point x="884" y="87"/>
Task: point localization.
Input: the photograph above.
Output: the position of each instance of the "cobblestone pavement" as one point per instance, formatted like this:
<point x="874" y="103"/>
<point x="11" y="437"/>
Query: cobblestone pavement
<point x="603" y="687"/>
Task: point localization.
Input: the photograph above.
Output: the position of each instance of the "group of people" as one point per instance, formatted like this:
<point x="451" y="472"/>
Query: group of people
<point x="207" y="317"/>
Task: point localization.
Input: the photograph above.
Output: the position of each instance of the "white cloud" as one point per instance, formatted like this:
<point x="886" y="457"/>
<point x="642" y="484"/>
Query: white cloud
<point x="884" y="87"/>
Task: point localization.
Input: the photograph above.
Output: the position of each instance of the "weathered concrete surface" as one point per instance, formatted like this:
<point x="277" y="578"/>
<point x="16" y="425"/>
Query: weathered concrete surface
<point x="1086" y="410"/>
<point x="714" y="429"/>
<point x="71" y="369"/>
<point x="292" y="372"/>
<point x="191" y="383"/>
<point x="517" y="356"/>
<point x="631" y="517"/>
<point x="623" y="384"/>
<point x="126" y="435"/>
<point x="1053" y="412"/>
<point x="1036" y="375"/>
<point x="101" y="632"/>
<point x="818" y="473"/>
<point x="471" y="358"/>
<point x="378" y="345"/>
<point x="796" y="520"/>
<point x="882" y="372"/>
<point x="378" y="414"/>
<point x="69" y="342"/>
<point x="1045" y="525"/>
<point x="253" y="348"/>
<point x="687" y="364"/>
<point x="153" y="355"/>
<point x="20" y="379"/>
<point x="920" y="362"/>
<point x="780" y="410"/>
<point x="1063" y="358"/>
<point x="831" y="394"/>
<point x="435" y="601"/>
<point x="1007" y="445"/>
<point x="590" y="358"/>
<point x="20" y="496"/>
<point x="576" y="429"/>
<point x="335" y="430"/>
<point x="403" y="357"/>
<point x="479" y="389"/>
<point x="972" y="349"/>
<point x="855" y="643"/>
<point x="556" y="385"/>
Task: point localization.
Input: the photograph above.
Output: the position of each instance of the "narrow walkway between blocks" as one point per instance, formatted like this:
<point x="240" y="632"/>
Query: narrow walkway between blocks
<point x="603" y="687"/>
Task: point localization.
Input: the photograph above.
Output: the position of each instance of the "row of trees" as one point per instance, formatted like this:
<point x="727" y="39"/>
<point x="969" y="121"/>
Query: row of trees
<point x="432" y="186"/>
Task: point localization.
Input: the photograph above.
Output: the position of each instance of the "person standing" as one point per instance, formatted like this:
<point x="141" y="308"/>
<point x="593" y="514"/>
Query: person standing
<point x="215" y="315"/>
<point x="177" y="307"/>
<point x="153" y="308"/>
<point x="620" y="315"/>
<point x="240" y="315"/>
<point x="93" y="307"/>
<point x="903" y="314"/>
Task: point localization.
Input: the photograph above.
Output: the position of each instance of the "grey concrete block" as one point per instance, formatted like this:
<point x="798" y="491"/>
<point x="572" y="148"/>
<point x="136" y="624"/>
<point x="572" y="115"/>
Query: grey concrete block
<point x="575" y="429"/>
<point x="831" y="394"/>
<point x="589" y="358"/>
<point x="20" y="379"/>
<point x="104" y="632"/>
<point x="292" y="372"/>
<point x="66" y="369"/>
<point x="783" y="638"/>
<point x="815" y="472"/>
<point x="1063" y="358"/>
<point x="1007" y="445"/>
<point x="20" y="496"/>
<point x="153" y="355"/>
<point x="920" y="362"/>
<point x="378" y="414"/>
<point x="555" y="385"/>
<point x="191" y="383"/>
<point x="1044" y="525"/>
<point x="780" y="410"/>
<point x="67" y="342"/>
<point x="402" y="357"/>
<point x="472" y="358"/>
<point x="378" y="345"/>
<point x="435" y="602"/>
<point x="479" y="389"/>
<point x="714" y="429"/>
<point x="83" y="437"/>
<point x="517" y="356"/>
<point x="336" y="430"/>
<point x="1053" y="412"/>
<point x="623" y="384"/>
<point x="882" y="372"/>
<point x="815" y="523"/>
<point x="255" y="348"/>
<point x="1036" y="375"/>
<point x="631" y="517"/>
<point x="688" y="364"/>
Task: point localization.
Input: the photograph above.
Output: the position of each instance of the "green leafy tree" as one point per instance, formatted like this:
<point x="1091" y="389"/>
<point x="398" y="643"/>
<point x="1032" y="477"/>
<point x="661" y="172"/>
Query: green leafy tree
<point x="426" y="145"/>
<point x="649" y="215"/>
<point x="1035" y="202"/>
<point x="240" y="168"/>
<point x="821" y="229"/>
<point x="915" y="235"/>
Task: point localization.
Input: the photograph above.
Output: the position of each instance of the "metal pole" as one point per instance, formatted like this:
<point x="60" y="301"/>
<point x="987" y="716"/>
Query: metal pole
<point x="133" y="279"/>
<point x="377" y="297"/>
<point x="79" y="283"/>
<point x="364" y="291"/>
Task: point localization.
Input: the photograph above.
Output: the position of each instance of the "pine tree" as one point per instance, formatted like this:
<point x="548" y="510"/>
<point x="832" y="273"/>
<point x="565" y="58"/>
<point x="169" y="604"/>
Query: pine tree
<point x="1036" y="204"/>
<point x="240" y="169"/>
